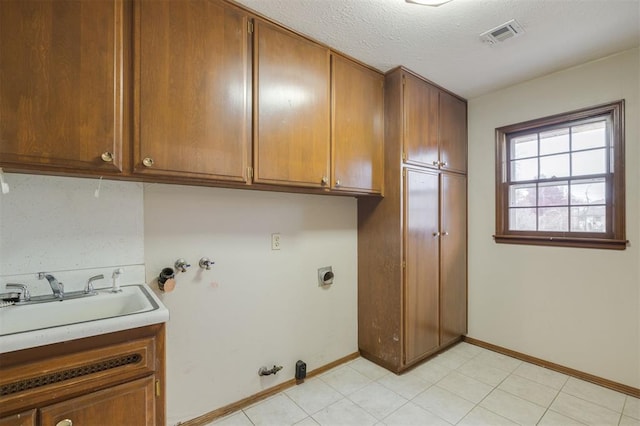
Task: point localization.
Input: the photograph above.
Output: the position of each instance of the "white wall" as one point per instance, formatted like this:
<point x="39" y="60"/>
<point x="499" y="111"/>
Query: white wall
<point x="575" y="307"/>
<point x="255" y="307"/>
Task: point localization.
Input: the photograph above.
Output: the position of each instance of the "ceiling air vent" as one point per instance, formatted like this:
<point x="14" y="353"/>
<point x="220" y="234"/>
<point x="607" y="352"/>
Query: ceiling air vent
<point x="502" y="32"/>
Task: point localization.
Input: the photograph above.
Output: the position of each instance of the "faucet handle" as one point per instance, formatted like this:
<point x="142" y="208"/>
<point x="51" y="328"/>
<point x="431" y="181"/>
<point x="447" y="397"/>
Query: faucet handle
<point x="181" y="265"/>
<point x="25" y="295"/>
<point x="205" y="263"/>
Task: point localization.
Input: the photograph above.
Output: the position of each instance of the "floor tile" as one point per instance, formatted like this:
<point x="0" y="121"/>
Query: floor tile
<point x="449" y="359"/>
<point x="368" y="368"/>
<point x="584" y="411"/>
<point x="541" y="375"/>
<point x="632" y="407"/>
<point x="345" y="379"/>
<point x="500" y="361"/>
<point x="278" y="410"/>
<point x="313" y="395"/>
<point x="465" y="386"/>
<point x="405" y="385"/>
<point x="377" y="400"/>
<point x="513" y="408"/>
<point x="593" y="393"/>
<point x="551" y="418"/>
<point x="629" y="421"/>
<point x="479" y="370"/>
<point x="430" y="371"/>
<point x="527" y="389"/>
<point x="345" y="413"/>
<point x="410" y="414"/>
<point x="482" y="417"/>
<point x="307" y="422"/>
<point x="466" y="350"/>
<point x="236" y="419"/>
<point x="444" y="404"/>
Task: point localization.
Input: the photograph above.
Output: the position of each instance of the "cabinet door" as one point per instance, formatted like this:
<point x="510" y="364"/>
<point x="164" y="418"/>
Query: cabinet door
<point x="453" y="133"/>
<point x="62" y="84"/>
<point x="421" y="241"/>
<point x="128" y="404"/>
<point x="23" y="419"/>
<point x="420" y="122"/>
<point x="292" y="103"/>
<point x="358" y="115"/>
<point x="193" y="99"/>
<point x="453" y="261"/>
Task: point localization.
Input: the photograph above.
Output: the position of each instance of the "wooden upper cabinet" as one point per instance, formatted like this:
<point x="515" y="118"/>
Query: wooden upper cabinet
<point x="420" y="122"/>
<point x="435" y="126"/>
<point x="63" y="79"/>
<point x="453" y="133"/>
<point x="192" y="100"/>
<point x="291" y="108"/>
<point x="28" y="418"/>
<point x="357" y="127"/>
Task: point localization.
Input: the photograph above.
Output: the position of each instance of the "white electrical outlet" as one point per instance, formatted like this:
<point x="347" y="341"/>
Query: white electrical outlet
<point x="275" y="241"/>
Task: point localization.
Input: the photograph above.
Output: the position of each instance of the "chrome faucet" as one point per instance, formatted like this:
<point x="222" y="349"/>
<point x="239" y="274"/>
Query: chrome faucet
<point x="88" y="289"/>
<point x="56" y="287"/>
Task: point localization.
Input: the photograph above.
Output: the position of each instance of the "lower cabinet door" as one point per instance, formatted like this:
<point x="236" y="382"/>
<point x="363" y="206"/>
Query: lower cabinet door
<point x="131" y="404"/>
<point x="23" y="419"/>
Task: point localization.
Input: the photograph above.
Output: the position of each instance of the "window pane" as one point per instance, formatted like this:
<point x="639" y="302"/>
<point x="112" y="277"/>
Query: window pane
<point x="554" y="141"/>
<point x="553" y="219"/>
<point x="554" y="166"/>
<point x="524" y="170"/>
<point x="589" y="162"/>
<point x="553" y="194"/>
<point x="589" y="219"/>
<point x="522" y="195"/>
<point x="524" y="146"/>
<point x="522" y="219"/>
<point x="592" y="135"/>
<point x="589" y="191"/>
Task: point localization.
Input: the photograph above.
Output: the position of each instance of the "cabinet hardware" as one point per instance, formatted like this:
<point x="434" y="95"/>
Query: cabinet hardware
<point x="443" y="164"/>
<point x="445" y="233"/>
<point x="249" y="173"/>
<point x="338" y="182"/>
<point x="157" y="387"/>
<point x="325" y="180"/>
<point x="404" y="156"/>
<point x="436" y="234"/>
<point x="250" y="27"/>
<point x="65" y="422"/>
<point x="147" y="162"/>
<point x="107" y="157"/>
<point x="435" y="163"/>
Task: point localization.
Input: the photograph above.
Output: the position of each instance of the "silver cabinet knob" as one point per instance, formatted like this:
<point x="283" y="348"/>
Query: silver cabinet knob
<point x="147" y="162"/>
<point x="107" y="157"/>
<point x="325" y="180"/>
<point x="435" y="162"/>
<point x="443" y="164"/>
<point x="65" y="422"/>
<point x="436" y="234"/>
<point x="338" y="182"/>
<point x="445" y="233"/>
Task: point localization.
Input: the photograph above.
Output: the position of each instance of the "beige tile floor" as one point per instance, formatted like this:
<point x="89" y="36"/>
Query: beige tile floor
<point x="465" y="385"/>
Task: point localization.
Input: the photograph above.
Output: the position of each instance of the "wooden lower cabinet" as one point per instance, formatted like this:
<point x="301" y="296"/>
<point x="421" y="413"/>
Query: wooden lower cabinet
<point x="113" y="406"/>
<point x="412" y="269"/>
<point x="28" y="418"/>
<point x="113" y="379"/>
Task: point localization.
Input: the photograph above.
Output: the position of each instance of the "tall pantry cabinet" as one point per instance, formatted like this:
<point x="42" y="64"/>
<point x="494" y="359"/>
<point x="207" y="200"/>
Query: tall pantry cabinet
<point x="412" y="255"/>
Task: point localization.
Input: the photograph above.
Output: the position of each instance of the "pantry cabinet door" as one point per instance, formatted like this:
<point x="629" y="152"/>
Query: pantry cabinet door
<point x="63" y="85"/>
<point x="193" y="108"/>
<point x="291" y="125"/>
<point x="420" y="142"/>
<point x="453" y="133"/>
<point x="421" y="292"/>
<point x="357" y="127"/>
<point x="453" y="262"/>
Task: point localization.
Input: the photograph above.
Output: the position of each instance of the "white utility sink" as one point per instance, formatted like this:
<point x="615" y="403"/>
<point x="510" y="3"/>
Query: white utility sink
<point x="30" y="325"/>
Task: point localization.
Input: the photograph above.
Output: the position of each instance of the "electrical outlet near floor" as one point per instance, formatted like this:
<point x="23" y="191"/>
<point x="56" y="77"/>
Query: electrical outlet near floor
<point x="275" y="241"/>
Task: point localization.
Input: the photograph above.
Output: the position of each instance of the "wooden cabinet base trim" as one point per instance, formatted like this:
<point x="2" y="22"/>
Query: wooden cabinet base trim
<point x="619" y="387"/>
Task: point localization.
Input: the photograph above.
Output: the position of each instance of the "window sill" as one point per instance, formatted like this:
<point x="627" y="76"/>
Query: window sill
<point x="597" y="243"/>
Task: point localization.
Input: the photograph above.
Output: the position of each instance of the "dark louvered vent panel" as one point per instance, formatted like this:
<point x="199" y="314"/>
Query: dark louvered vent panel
<point x="72" y="373"/>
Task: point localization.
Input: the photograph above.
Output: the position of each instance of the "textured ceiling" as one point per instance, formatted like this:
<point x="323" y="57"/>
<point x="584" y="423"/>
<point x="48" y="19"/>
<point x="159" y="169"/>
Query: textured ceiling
<point x="443" y="44"/>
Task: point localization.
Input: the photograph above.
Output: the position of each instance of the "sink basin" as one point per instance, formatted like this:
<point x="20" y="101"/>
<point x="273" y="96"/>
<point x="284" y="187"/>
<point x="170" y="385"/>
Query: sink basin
<point x="43" y="323"/>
